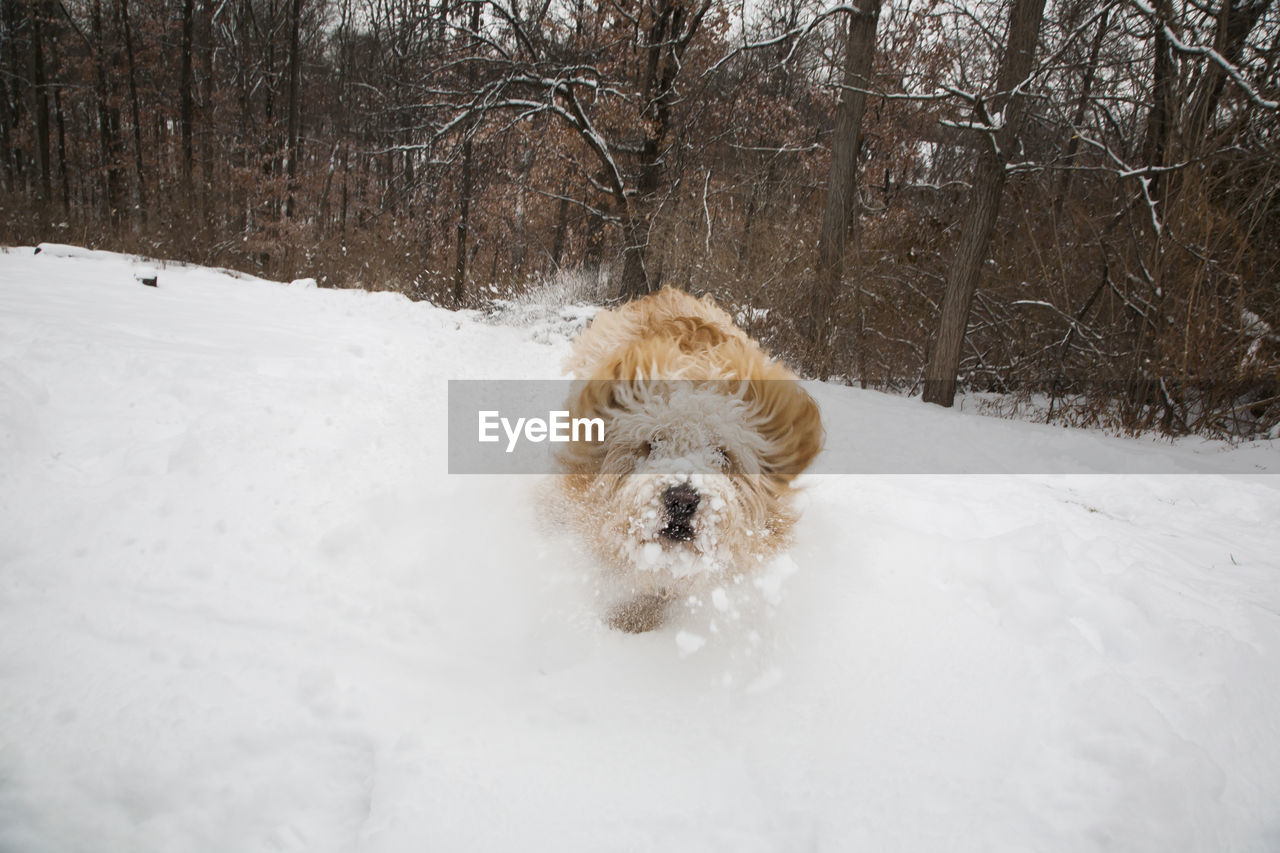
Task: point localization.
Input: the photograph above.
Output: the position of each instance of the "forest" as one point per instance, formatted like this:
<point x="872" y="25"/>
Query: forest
<point x="1068" y="207"/>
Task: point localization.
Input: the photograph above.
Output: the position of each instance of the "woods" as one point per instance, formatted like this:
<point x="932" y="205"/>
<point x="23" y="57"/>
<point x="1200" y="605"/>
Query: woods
<point x="1073" y="204"/>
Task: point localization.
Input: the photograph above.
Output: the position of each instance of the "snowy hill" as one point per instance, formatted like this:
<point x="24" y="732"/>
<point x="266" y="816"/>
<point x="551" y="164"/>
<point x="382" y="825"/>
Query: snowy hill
<point x="243" y="607"/>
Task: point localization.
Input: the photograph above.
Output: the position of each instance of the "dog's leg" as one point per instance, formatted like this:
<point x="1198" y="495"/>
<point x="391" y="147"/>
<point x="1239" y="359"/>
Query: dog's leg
<point x="640" y="614"/>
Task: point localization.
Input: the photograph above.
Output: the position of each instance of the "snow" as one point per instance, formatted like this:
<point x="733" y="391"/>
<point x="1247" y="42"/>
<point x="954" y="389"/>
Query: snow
<point x="689" y="642"/>
<point x="243" y="607"/>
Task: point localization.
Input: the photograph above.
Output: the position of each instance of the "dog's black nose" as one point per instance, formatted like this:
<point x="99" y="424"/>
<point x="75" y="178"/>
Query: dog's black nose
<point x="680" y="501"/>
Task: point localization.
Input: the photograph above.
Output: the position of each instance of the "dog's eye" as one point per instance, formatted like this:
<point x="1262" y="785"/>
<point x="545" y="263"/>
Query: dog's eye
<point x="646" y="448"/>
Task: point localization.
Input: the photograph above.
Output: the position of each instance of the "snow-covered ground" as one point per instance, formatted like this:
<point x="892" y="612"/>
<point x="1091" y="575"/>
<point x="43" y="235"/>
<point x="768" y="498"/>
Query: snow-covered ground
<point x="243" y="607"/>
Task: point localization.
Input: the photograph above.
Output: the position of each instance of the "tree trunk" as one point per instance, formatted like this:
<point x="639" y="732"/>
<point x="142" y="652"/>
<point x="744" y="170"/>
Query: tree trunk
<point x="1082" y="106"/>
<point x="840" y="213"/>
<point x="1164" y="99"/>
<point x="658" y="75"/>
<point x="239" y="192"/>
<point x="60" y="124"/>
<point x="137" y="113"/>
<point x="39" y="85"/>
<point x="63" y="176"/>
<point x="108" y="121"/>
<point x="270" y="145"/>
<point x="346" y="173"/>
<point x="207" y="139"/>
<point x="464" y="203"/>
<point x="665" y="43"/>
<point x="464" y="222"/>
<point x="295" y="112"/>
<point x="562" y="226"/>
<point x="322" y="215"/>
<point x="518" y="250"/>
<point x="984" y="204"/>
<point x="635" y="281"/>
<point x="187" y="100"/>
<point x="10" y="77"/>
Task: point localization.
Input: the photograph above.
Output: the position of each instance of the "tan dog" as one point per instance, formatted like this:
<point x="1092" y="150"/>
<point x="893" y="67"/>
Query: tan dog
<point x="691" y="487"/>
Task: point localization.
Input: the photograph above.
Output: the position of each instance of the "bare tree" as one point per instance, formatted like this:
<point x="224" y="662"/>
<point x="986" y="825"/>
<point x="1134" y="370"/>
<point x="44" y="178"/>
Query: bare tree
<point x="618" y="104"/>
<point x="1000" y="124"/>
<point x="673" y="26"/>
<point x="841" y="210"/>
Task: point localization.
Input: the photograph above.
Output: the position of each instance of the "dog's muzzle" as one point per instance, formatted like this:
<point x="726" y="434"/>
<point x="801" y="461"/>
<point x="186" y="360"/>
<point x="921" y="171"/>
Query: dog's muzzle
<point x="680" y="503"/>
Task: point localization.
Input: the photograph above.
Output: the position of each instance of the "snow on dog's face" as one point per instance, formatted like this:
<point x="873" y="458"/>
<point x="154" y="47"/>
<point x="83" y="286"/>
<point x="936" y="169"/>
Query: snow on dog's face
<point x="680" y="491"/>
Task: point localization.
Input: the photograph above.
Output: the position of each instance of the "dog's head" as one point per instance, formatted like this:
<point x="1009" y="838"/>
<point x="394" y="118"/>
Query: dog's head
<point x="703" y="436"/>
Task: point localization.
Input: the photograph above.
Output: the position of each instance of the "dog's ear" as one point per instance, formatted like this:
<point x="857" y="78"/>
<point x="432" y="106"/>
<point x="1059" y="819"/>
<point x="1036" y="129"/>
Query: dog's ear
<point x="789" y="420"/>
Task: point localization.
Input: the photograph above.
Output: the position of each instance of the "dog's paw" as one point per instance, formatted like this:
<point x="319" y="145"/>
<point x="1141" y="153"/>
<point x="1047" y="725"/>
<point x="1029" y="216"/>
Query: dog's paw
<point x="640" y="614"/>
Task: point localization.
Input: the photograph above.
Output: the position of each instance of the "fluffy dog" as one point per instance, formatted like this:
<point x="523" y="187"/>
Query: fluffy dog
<point x="690" y="488"/>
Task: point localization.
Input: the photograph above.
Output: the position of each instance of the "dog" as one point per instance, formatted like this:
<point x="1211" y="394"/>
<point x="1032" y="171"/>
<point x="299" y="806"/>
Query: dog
<point x="690" y="488"/>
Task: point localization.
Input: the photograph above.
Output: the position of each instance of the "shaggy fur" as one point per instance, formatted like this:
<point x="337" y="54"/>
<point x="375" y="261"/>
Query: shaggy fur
<point x="691" y="487"/>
